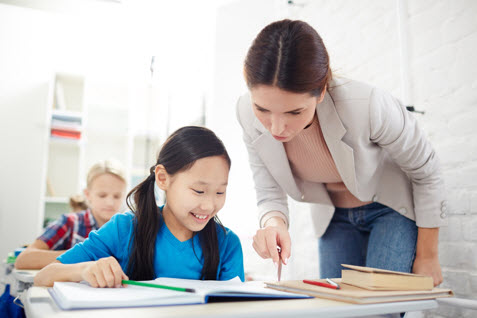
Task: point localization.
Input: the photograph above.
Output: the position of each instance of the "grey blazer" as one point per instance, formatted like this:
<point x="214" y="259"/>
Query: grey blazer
<point x="379" y="150"/>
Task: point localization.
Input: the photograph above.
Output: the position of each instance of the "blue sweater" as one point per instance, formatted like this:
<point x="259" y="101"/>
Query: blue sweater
<point x="172" y="258"/>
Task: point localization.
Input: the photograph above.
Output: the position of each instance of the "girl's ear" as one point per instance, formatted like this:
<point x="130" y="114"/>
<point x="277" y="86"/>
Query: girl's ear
<point x="162" y="177"/>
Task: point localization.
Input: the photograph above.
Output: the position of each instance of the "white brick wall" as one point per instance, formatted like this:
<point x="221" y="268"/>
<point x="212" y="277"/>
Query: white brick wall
<point x="442" y="43"/>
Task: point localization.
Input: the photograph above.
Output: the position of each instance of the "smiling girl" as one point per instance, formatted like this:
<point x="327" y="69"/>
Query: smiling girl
<point x="182" y="239"/>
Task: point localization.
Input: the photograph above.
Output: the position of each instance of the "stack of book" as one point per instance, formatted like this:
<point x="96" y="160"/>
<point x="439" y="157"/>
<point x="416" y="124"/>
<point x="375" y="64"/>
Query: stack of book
<point x="366" y="285"/>
<point x="66" y="126"/>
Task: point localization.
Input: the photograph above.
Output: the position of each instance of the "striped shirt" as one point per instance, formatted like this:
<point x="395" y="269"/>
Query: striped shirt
<point x="68" y="230"/>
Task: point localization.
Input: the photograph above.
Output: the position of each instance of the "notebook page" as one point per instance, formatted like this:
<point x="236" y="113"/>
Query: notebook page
<point x="234" y="285"/>
<point x="82" y="295"/>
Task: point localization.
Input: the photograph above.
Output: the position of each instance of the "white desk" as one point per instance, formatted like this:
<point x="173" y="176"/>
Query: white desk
<point x="39" y="304"/>
<point x="25" y="275"/>
<point x="23" y="279"/>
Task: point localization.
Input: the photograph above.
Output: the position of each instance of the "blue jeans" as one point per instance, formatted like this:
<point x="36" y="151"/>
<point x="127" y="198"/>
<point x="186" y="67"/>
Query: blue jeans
<point x="373" y="235"/>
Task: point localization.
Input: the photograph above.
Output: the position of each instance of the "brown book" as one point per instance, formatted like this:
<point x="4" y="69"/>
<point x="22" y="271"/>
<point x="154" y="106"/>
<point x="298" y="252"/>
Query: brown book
<point x="357" y="295"/>
<point x="380" y="279"/>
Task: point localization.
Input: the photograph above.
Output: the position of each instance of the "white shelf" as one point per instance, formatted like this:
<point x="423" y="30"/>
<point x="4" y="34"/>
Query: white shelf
<point x="99" y="109"/>
<point x="66" y="141"/>
<point x="65" y="165"/>
<point x="67" y="113"/>
<point x="57" y="200"/>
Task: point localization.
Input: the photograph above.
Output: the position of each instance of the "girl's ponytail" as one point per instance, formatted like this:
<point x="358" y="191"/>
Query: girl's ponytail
<point x="146" y="225"/>
<point x="210" y="247"/>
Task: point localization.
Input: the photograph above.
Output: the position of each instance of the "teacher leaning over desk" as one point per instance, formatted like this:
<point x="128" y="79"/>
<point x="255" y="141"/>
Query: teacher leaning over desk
<point x="349" y="149"/>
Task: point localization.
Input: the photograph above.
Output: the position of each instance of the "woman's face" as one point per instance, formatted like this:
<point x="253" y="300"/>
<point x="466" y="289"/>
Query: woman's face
<point x="284" y="114"/>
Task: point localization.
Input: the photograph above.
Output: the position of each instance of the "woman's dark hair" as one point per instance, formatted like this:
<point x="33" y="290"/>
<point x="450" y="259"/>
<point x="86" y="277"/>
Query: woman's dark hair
<point x="289" y="55"/>
<point x="180" y="151"/>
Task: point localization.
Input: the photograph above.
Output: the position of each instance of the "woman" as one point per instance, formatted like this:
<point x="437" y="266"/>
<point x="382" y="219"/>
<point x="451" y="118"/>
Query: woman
<point x="352" y="151"/>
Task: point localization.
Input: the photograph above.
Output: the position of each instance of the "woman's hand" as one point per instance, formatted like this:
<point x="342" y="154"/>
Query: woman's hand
<point x="105" y="272"/>
<point x="427" y="259"/>
<point x="429" y="267"/>
<point x="267" y="239"/>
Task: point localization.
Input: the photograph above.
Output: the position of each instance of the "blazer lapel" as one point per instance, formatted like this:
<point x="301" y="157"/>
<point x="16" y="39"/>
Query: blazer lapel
<point x="272" y="152"/>
<point x="333" y="131"/>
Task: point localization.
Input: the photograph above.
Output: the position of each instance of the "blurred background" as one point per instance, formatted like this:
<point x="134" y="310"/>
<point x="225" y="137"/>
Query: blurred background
<point x="91" y="79"/>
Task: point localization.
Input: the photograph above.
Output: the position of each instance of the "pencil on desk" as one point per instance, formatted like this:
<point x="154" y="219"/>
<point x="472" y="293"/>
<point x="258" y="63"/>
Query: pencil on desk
<point x="142" y="284"/>
<point x="317" y="283"/>
<point x="333" y="283"/>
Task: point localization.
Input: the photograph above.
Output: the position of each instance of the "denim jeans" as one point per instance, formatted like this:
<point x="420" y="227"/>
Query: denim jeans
<point x="373" y="235"/>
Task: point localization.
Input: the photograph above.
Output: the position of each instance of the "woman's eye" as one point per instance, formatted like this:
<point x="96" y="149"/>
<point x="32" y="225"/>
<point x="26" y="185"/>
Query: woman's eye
<point x="220" y="193"/>
<point x="295" y="113"/>
<point x="198" y="191"/>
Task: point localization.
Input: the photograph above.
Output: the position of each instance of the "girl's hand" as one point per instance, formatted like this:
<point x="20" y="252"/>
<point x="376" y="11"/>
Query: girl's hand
<point x="105" y="272"/>
<point x="429" y="267"/>
<point x="274" y="234"/>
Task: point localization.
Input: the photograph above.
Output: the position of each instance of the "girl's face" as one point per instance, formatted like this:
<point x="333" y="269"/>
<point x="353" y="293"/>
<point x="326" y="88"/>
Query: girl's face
<point x="193" y="196"/>
<point x="105" y="195"/>
<point x="282" y="113"/>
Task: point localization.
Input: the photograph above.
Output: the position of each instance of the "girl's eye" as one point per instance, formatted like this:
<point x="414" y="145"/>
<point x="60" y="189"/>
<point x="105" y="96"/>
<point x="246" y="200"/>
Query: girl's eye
<point x="261" y="109"/>
<point x="198" y="192"/>
<point x="295" y="113"/>
<point x="220" y="193"/>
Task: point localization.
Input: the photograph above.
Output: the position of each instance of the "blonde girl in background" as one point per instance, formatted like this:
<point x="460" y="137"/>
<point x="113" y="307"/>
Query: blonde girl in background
<point x="105" y="192"/>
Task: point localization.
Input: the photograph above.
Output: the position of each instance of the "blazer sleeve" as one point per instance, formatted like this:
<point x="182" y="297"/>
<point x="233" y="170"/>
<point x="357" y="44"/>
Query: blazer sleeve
<point x="271" y="198"/>
<point x="396" y="130"/>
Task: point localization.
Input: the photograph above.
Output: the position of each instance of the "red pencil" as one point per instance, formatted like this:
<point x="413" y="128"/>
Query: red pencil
<point x="314" y="282"/>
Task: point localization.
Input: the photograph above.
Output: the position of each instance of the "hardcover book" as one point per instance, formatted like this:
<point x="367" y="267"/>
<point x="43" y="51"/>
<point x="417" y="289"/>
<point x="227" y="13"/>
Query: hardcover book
<point x="379" y="279"/>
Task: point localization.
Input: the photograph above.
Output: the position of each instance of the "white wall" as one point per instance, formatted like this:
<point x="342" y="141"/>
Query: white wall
<point x="35" y="44"/>
<point x="444" y="68"/>
<point x="103" y="41"/>
<point x="442" y="43"/>
<point x="238" y="22"/>
<point x="24" y="78"/>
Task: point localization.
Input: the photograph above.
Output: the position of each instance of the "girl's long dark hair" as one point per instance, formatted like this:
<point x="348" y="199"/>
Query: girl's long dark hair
<point x="184" y="147"/>
<point x="289" y="55"/>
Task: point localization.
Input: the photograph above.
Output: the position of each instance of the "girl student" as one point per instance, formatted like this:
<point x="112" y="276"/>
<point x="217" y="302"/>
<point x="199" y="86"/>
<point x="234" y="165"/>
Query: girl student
<point x="182" y="239"/>
<point x="104" y="193"/>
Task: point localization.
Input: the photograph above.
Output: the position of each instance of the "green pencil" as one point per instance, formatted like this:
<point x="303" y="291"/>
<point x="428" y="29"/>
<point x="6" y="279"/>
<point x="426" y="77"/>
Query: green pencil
<point x="133" y="282"/>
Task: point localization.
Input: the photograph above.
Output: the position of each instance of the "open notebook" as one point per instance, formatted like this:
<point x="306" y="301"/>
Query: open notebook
<point x="82" y="296"/>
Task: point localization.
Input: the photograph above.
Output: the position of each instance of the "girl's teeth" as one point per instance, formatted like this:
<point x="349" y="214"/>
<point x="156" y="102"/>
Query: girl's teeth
<point x="200" y="216"/>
